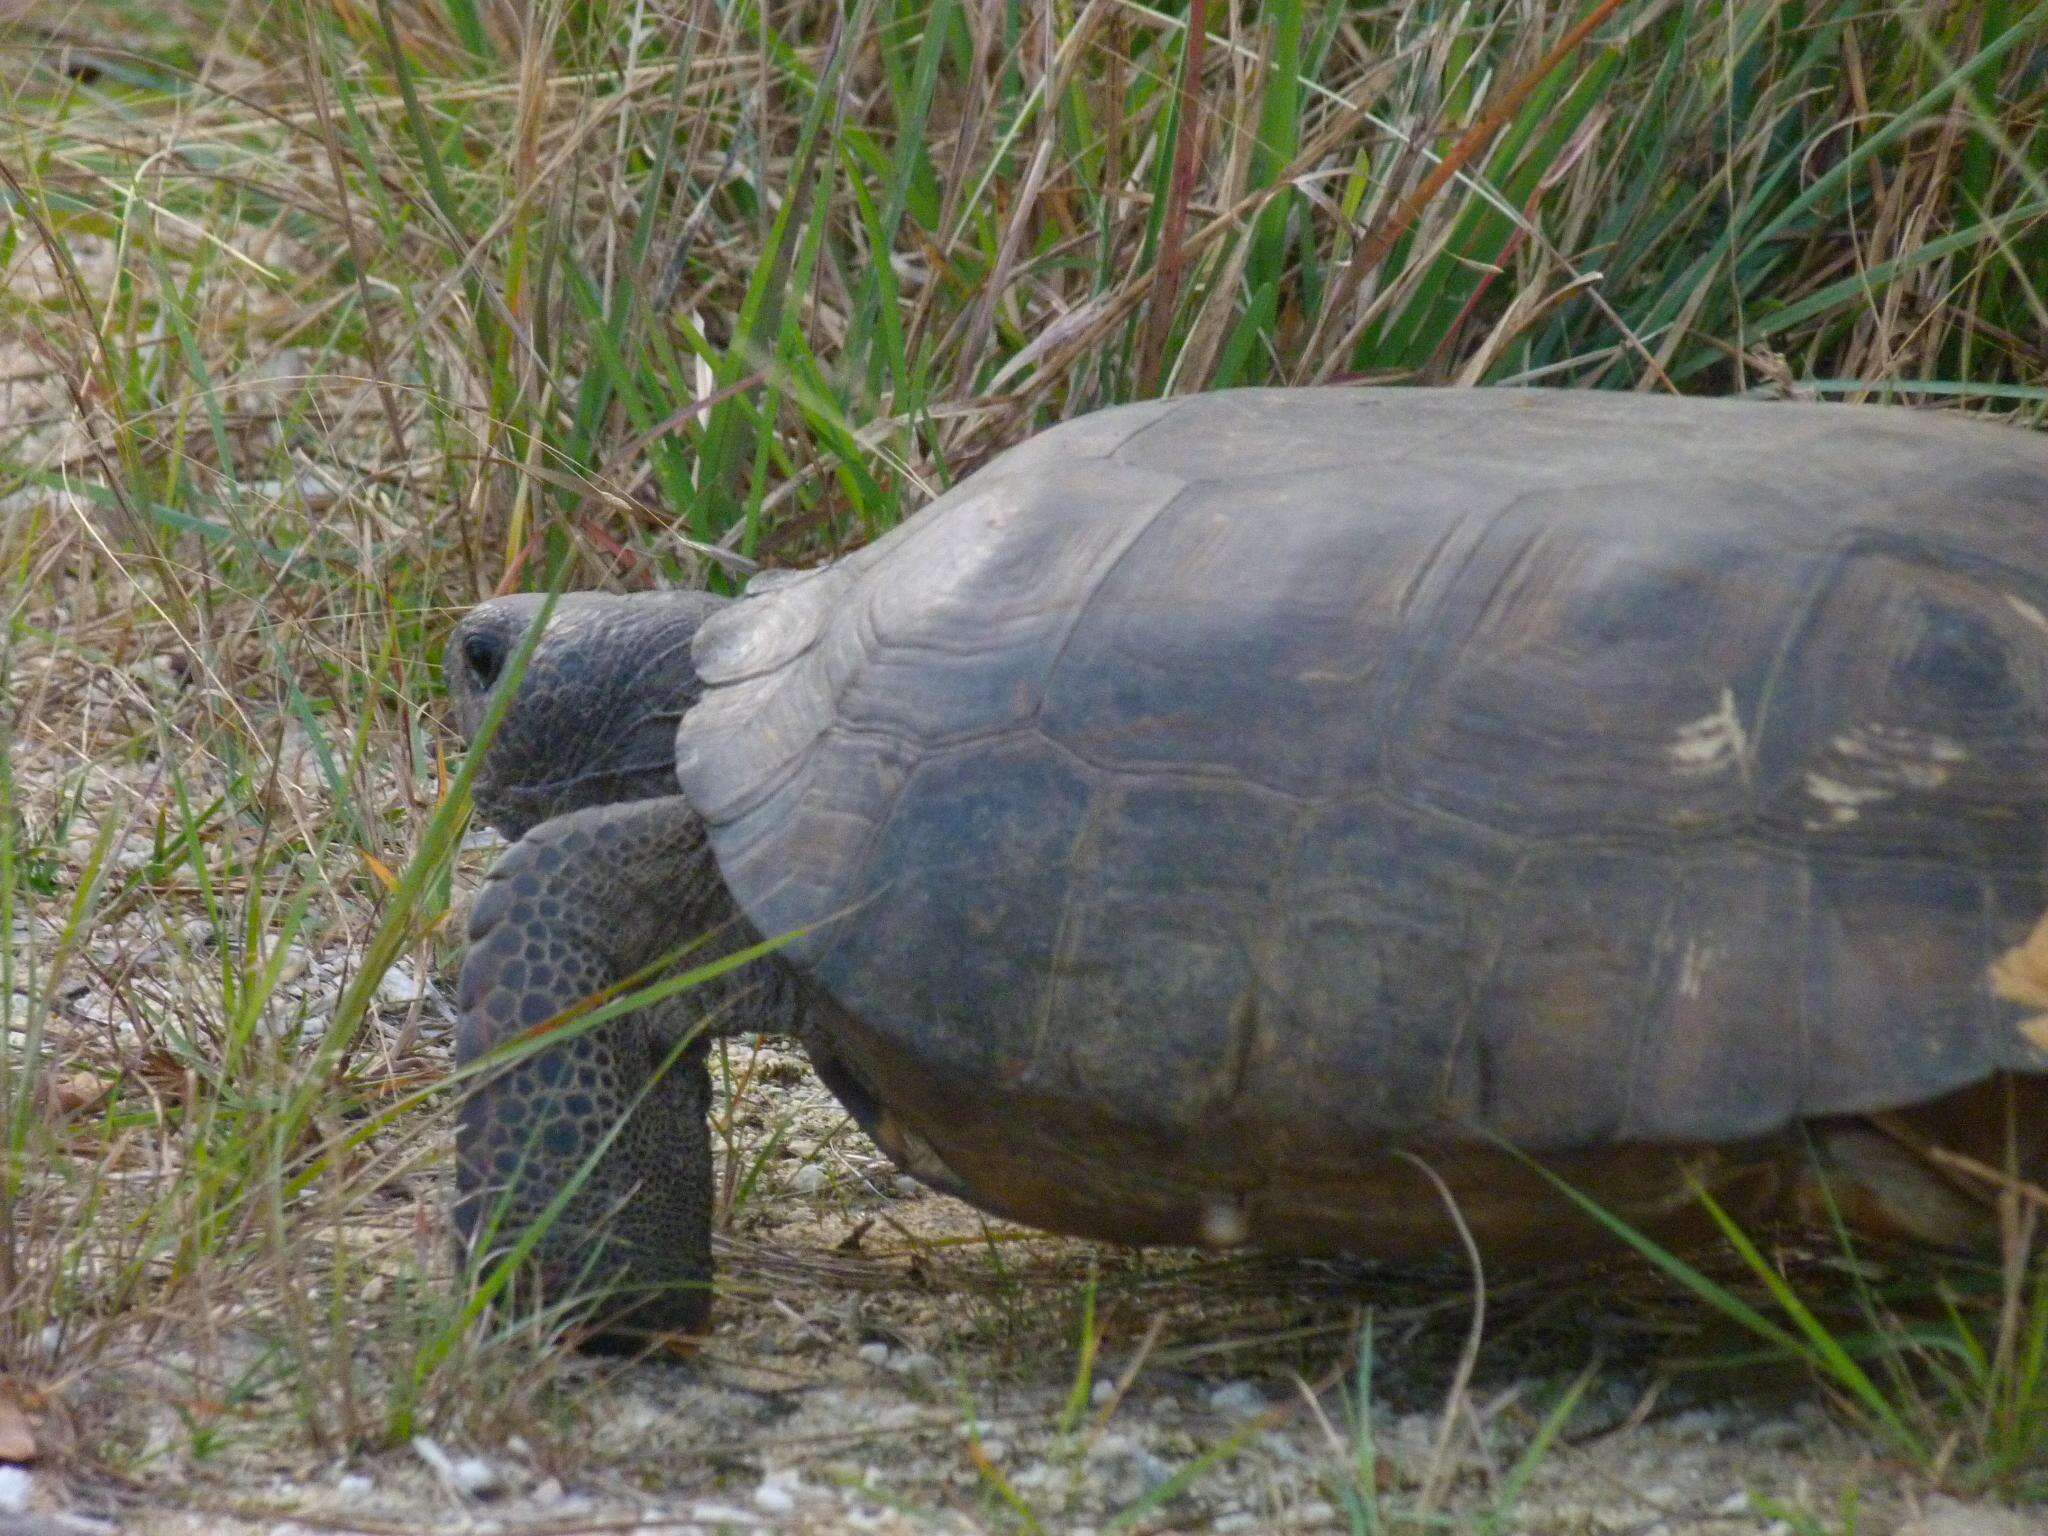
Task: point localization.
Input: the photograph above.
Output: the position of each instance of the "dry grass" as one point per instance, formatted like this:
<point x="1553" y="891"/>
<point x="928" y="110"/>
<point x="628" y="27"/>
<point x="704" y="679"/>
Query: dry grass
<point x="318" y="322"/>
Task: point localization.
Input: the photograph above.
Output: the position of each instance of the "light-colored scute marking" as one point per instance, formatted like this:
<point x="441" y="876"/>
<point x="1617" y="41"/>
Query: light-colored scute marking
<point x="2028" y="611"/>
<point x="1873" y="763"/>
<point x="1693" y="967"/>
<point x="1713" y="744"/>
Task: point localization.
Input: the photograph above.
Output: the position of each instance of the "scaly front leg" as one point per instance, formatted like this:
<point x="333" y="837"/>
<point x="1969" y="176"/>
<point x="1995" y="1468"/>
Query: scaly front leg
<point x="615" y="1115"/>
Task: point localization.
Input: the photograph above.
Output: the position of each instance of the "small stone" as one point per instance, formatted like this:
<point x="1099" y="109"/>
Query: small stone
<point x="477" y="1478"/>
<point x="1234" y="1520"/>
<point x="1111" y="1447"/>
<point x="907" y="1188"/>
<point x="808" y="1180"/>
<point x="875" y="1353"/>
<point x="914" y="1363"/>
<point x="775" y="1498"/>
<point x="996" y="1450"/>
<point x="1224" y="1224"/>
<point x="470" y="1476"/>
<point x="16" y="1484"/>
<point x="1102" y="1393"/>
<point x="399" y="985"/>
<point x="1128" y="1468"/>
<point x="1237" y="1400"/>
<point x="355" y="1485"/>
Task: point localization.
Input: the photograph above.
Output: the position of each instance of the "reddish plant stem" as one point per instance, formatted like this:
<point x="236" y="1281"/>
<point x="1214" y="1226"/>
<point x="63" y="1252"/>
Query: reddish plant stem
<point x="1376" y="245"/>
<point x="1180" y="192"/>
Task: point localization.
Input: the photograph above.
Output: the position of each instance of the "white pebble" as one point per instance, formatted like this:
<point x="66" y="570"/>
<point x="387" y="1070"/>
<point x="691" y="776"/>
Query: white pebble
<point x="1237" y="1399"/>
<point x="400" y="984"/>
<point x="1112" y="1446"/>
<point x="15" y="1486"/>
<point x="914" y="1363"/>
<point x="1224" y="1224"/>
<point x="354" y="1485"/>
<point x="907" y="1188"/>
<point x="470" y="1476"/>
<point x="477" y="1478"/>
<point x="773" y="1498"/>
<point x="808" y="1180"/>
<point x="876" y="1353"/>
<point x="1101" y="1393"/>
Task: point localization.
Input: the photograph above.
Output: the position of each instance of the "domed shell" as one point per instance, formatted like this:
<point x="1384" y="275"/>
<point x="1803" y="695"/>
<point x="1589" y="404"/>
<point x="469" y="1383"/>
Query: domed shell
<point x="1335" y="765"/>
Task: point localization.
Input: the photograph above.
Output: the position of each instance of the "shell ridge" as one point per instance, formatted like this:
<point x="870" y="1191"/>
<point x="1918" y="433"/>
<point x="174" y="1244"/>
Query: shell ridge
<point x="1100" y="579"/>
<point x="1066" y="937"/>
<point x="1428" y="659"/>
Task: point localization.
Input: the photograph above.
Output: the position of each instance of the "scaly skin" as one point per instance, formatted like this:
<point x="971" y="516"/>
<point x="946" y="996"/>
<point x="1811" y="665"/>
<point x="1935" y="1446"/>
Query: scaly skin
<point x="579" y="904"/>
<point x="610" y="874"/>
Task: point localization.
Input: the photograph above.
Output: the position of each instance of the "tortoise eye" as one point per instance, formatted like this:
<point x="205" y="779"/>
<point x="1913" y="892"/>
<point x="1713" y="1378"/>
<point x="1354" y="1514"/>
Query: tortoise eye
<point x="484" y="655"/>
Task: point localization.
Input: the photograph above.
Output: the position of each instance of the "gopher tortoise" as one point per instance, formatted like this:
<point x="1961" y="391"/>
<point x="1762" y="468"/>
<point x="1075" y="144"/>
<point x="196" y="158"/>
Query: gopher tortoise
<point x="1219" y="820"/>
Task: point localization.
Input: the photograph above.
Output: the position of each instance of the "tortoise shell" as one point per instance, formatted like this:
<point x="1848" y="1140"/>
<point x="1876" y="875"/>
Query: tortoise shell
<point x="1269" y="777"/>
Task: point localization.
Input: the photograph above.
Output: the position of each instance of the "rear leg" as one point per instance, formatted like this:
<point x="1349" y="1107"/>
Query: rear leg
<point x="1933" y="1173"/>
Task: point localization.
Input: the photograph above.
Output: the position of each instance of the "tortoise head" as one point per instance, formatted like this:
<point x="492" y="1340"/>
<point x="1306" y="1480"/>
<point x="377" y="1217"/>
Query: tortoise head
<point x="594" y="721"/>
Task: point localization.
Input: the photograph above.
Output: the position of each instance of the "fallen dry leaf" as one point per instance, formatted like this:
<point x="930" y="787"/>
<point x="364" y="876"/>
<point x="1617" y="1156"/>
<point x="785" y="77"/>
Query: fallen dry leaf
<point x="17" y="1434"/>
<point x="67" y="1093"/>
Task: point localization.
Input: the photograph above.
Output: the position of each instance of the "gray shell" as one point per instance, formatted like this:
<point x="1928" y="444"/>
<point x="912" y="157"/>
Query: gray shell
<point x="1346" y="763"/>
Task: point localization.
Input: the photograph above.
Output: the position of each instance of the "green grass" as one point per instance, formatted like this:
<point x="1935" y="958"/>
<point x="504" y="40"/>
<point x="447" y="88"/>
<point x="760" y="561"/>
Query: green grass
<point x="317" y="322"/>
